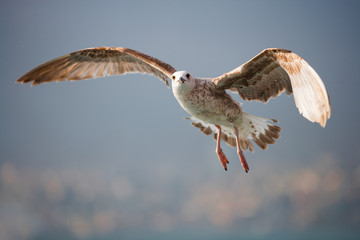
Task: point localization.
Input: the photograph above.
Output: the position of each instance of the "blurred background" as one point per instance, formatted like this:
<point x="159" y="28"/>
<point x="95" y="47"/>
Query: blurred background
<point x="113" y="158"/>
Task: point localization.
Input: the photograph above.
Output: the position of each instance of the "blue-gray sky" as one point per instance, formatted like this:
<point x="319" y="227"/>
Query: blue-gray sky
<point x="77" y="159"/>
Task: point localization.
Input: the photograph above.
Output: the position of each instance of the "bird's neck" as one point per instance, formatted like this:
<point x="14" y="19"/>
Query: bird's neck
<point x="182" y="89"/>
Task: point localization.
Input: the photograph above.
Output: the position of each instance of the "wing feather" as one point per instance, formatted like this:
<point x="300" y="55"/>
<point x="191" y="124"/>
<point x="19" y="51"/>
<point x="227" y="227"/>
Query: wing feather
<point x="276" y="70"/>
<point x="97" y="62"/>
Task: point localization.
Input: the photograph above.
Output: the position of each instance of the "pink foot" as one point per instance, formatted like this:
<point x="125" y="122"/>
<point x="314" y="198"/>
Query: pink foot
<point x="239" y="151"/>
<point x="219" y="151"/>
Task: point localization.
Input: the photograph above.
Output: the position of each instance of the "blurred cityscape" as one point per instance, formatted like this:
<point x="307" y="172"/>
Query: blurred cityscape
<point x="85" y="202"/>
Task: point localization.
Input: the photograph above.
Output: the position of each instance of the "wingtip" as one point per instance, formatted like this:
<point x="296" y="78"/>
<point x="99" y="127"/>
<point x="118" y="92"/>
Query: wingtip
<point x="322" y="120"/>
<point x="20" y="80"/>
<point x="323" y="123"/>
<point x="23" y="80"/>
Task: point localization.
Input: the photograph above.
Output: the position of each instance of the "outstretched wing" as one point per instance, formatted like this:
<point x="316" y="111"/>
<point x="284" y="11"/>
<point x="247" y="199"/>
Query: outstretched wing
<point x="274" y="70"/>
<point x="97" y="62"/>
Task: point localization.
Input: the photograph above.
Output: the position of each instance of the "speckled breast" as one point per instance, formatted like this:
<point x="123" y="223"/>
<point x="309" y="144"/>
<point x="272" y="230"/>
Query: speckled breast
<point x="209" y="105"/>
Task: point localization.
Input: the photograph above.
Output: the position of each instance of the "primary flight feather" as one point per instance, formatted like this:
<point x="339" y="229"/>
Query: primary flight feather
<point x="212" y="109"/>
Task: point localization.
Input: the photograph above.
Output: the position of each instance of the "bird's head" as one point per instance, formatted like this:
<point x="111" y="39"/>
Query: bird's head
<point x="182" y="81"/>
<point x="181" y="77"/>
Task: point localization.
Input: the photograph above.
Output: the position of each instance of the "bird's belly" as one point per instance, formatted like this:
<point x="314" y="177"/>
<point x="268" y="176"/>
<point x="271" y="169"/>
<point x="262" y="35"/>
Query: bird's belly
<point x="206" y="114"/>
<point x="210" y="110"/>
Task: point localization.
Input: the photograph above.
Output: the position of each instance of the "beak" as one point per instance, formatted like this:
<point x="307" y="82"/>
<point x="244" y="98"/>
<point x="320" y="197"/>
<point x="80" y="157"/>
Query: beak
<point x="182" y="80"/>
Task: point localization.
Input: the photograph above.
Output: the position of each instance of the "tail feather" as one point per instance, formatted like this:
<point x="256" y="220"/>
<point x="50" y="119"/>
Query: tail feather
<point x="261" y="130"/>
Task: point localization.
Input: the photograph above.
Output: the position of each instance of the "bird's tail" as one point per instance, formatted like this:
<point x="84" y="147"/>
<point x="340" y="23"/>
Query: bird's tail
<point x="262" y="131"/>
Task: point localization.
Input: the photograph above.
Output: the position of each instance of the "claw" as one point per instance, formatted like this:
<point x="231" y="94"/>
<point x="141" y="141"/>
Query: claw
<point x="239" y="151"/>
<point x="222" y="158"/>
<point x="219" y="151"/>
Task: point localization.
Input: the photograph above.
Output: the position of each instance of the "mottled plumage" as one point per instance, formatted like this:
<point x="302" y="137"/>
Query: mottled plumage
<point x="212" y="109"/>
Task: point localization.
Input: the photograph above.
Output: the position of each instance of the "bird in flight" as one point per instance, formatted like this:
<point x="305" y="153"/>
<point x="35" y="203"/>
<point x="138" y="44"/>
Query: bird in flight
<point x="207" y="100"/>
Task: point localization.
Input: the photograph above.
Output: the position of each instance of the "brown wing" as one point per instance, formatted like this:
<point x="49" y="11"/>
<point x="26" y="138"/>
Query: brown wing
<point x="276" y="70"/>
<point x="97" y="62"/>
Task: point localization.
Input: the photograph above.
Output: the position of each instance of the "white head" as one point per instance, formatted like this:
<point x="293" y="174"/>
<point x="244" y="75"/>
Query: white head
<point x="182" y="80"/>
<point x="180" y="76"/>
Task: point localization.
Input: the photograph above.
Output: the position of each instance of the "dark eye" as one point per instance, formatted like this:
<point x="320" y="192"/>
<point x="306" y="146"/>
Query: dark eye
<point x="173" y="77"/>
<point x="187" y="75"/>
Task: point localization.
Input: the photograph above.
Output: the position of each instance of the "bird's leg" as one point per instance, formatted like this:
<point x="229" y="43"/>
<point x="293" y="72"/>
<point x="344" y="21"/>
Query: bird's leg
<point x="239" y="151"/>
<point x="219" y="151"/>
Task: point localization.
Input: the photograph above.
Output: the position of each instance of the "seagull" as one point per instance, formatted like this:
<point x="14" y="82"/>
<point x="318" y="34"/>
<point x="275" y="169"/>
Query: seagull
<point x="207" y="100"/>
